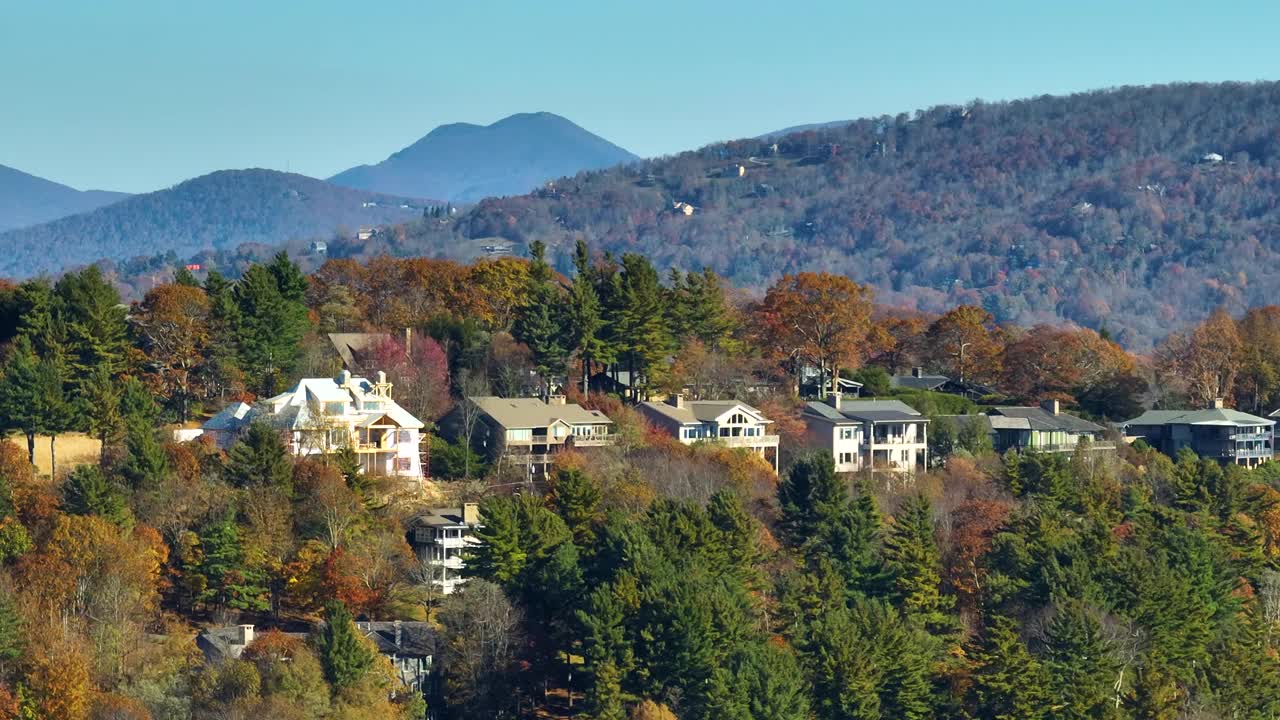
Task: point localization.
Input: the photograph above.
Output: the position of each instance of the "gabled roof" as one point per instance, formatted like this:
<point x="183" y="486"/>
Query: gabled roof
<point x="696" y="412"/>
<point x="1035" y="418"/>
<point x="349" y="346"/>
<point x="416" y="639"/>
<point x="1210" y="416"/>
<point x="230" y="417"/>
<point x="292" y="409"/>
<point x="872" y="411"/>
<point x="534" y="413"/>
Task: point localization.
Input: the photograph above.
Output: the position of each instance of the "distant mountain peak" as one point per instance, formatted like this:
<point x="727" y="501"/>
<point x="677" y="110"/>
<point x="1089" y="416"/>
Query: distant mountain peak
<point x="464" y="162"/>
<point x="26" y="199"/>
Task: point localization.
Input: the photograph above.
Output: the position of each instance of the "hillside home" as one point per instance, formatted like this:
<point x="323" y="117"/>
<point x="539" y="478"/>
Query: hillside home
<point x="1045" y="428"/>
<point x="918" y="379"/>
<point x="440" y="537"/>
<point x="1217" y="433"/>
<point x="319" y="416"/>
<point x="529" y="432"/>
<point x="883" y="435"/>
<point x="728" y="422"/>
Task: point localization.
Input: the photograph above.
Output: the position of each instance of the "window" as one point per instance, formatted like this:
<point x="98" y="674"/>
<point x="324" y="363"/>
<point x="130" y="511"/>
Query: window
<point x="846" y="458"/>
<point x="339" y="438"/>
<point x="405" y="436"/>
<point x="334" y="408"/>
<point x="372" y="406"/>
<point x="846" y="433"/>
<point x="403" y="464"/>
<point x="520" y="434"/>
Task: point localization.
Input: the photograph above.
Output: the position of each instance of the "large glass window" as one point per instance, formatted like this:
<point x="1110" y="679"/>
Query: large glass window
<point x="334" y="408"/>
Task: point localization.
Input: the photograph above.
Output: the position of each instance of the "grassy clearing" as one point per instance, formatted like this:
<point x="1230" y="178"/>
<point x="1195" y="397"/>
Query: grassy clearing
<point x="73" y="449"/>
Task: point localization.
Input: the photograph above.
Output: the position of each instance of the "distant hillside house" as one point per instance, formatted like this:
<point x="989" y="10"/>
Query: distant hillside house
<point x="1216" y="433"/>
<point x="440" y="538"/>
<point x="529" y="432"/>
<point x="319" y="416"/>
<point x="354" y="349"/>
<point x="1044" y="429"/>
<point x="919" y="380"/>
<point x="732" y="423"/>
<point x="881" y="435"/>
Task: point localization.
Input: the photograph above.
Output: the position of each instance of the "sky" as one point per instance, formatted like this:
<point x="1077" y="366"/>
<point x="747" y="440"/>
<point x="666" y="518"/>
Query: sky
<point x="137" y="95"/>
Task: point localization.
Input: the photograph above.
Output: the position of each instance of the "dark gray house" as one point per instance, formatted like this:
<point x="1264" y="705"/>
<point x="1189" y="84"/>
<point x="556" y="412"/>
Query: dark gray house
<point x="1216" y="433"/>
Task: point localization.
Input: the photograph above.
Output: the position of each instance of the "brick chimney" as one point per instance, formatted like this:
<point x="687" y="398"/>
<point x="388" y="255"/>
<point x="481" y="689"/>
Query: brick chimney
<point x="1219" y="403"/>
<point x="471" y="513"/>
<point x="917" y="372"/>
<point x="1053" y="407"/>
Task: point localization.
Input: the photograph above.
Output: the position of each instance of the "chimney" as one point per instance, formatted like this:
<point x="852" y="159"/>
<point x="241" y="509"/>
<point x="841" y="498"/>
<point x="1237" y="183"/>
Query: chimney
<point x="917" y="372"/>
<point x="471" y="513"/>
<point x="556" y="400"/>
<point x="835" y="398"/>
<point x="397" y="634"/>
<point x="408" y="341"/>
<point x="676" y="400"/>
<point x="1218" y="404"/>
<point x="344" y="378"/>
<point x="1053" y="407"/>
<point x="246" y="635"/>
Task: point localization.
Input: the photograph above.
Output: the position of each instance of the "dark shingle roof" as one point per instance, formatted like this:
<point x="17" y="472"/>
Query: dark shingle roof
<point x="1041" y="419"/>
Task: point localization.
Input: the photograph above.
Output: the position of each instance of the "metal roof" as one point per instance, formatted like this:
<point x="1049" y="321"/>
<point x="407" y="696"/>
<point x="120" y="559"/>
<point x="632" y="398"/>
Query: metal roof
<point x="1035" y="418"/>
<point x="1210" y="416"/>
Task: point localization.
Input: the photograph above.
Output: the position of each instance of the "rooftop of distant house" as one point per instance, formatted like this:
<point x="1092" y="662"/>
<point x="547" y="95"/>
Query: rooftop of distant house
<point x="534" y="413"/>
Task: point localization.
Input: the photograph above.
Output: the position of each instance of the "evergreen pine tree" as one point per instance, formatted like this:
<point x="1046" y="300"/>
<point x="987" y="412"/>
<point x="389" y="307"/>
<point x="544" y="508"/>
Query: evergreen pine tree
<point x="541" y="323"/>
<point x="98" y="331"/>
<point x="576" y="497"/>
<point x="1008" y="682"/>
<point x="915" y="564"/>
<point x="1080" y="666"/>
<point x="231" y="582"/>
<point x="343" y="653"/>
<point x="88" y="491"/>
<point x="183" y="276"/>
<point x="585" y="316"/>
<point x="269" y="323"/>
<point x="100" y="397"/>
<point x="640" y="324"/>
<point x="260" y="458"/>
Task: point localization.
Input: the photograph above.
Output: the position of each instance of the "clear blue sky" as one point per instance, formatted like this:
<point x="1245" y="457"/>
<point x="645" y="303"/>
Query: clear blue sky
<point x="136" y="95"/>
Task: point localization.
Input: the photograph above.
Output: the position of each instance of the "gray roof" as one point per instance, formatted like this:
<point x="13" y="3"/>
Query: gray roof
<point x="1035" y="418"/>
<point x="534" y="413"/>
<point x="231" y="417"/>
<point x="699" y="411"/>
<point x="1211" y="416"/>
<point x="416" y="639"/>
<point x="438" y="517"/>
<point x="924" y="382"/>
<point x="873" y="411"/>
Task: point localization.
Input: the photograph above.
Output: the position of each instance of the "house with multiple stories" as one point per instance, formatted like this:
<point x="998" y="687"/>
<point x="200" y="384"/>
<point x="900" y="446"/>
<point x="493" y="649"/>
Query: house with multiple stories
<point x="322" y="415"/>
<point x="918" y="379"/>
<point x="440" y="538"/>
<point x="1217" y="432"/>
<point x="529" y="432"/>
<point x="881" y="435"/>
<point x="1045" y="429"/>
<point x="729" y="422"/>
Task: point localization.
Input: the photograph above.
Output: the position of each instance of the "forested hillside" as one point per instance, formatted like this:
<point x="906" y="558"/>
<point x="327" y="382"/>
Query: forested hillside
<point x="218" y="211"/>
<point x="30" y="200"/>
<point x="1096" y="208"/>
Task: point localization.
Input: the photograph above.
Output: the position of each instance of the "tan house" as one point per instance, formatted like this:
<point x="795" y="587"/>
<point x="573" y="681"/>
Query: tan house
<point x="529" y="432"/>
<point x="728" y="422"/>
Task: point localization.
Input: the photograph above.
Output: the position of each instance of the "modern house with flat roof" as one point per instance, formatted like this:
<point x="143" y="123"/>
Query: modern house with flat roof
<point x="1216" y="433"/>
<point x="529" y="432"/>
<point x="728" y="422"/>
<point x="883" y="435"/>
<point x="440" y="538"/>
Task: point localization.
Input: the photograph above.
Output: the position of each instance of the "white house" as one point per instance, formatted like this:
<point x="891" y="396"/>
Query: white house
<point x="724" y="421"/>
<point x="884" y="435"/>
<point x="441" y="537"/>
<point x="322" y="415"/>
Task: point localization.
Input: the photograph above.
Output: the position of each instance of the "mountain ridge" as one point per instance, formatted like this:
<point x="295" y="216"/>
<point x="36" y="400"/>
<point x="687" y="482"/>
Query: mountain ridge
<point x="217" y="211"/>
<point x="27" y="199"/>
<point x="464" y="162"/>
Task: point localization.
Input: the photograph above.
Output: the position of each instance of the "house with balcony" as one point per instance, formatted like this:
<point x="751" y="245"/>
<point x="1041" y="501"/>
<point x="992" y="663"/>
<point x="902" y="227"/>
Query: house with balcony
<point x="319" y="416"/>
<point x="1216" y="433"/>
<point x="529" y="432"/>
<point x="441" y="538"/>
<point x="880" y="435"/>
<point x="1045" y="429"/>
<point x="728" y="422"/>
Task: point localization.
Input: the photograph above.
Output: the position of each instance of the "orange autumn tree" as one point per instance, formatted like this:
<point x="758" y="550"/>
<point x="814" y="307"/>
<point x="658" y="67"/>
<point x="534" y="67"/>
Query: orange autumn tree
<point x="1204" y="361"/>
<point x="1054" y="362"/>
<point x="966" y="344"/>
<point x="173" y="329"/>
<point x="815" y="318"/>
